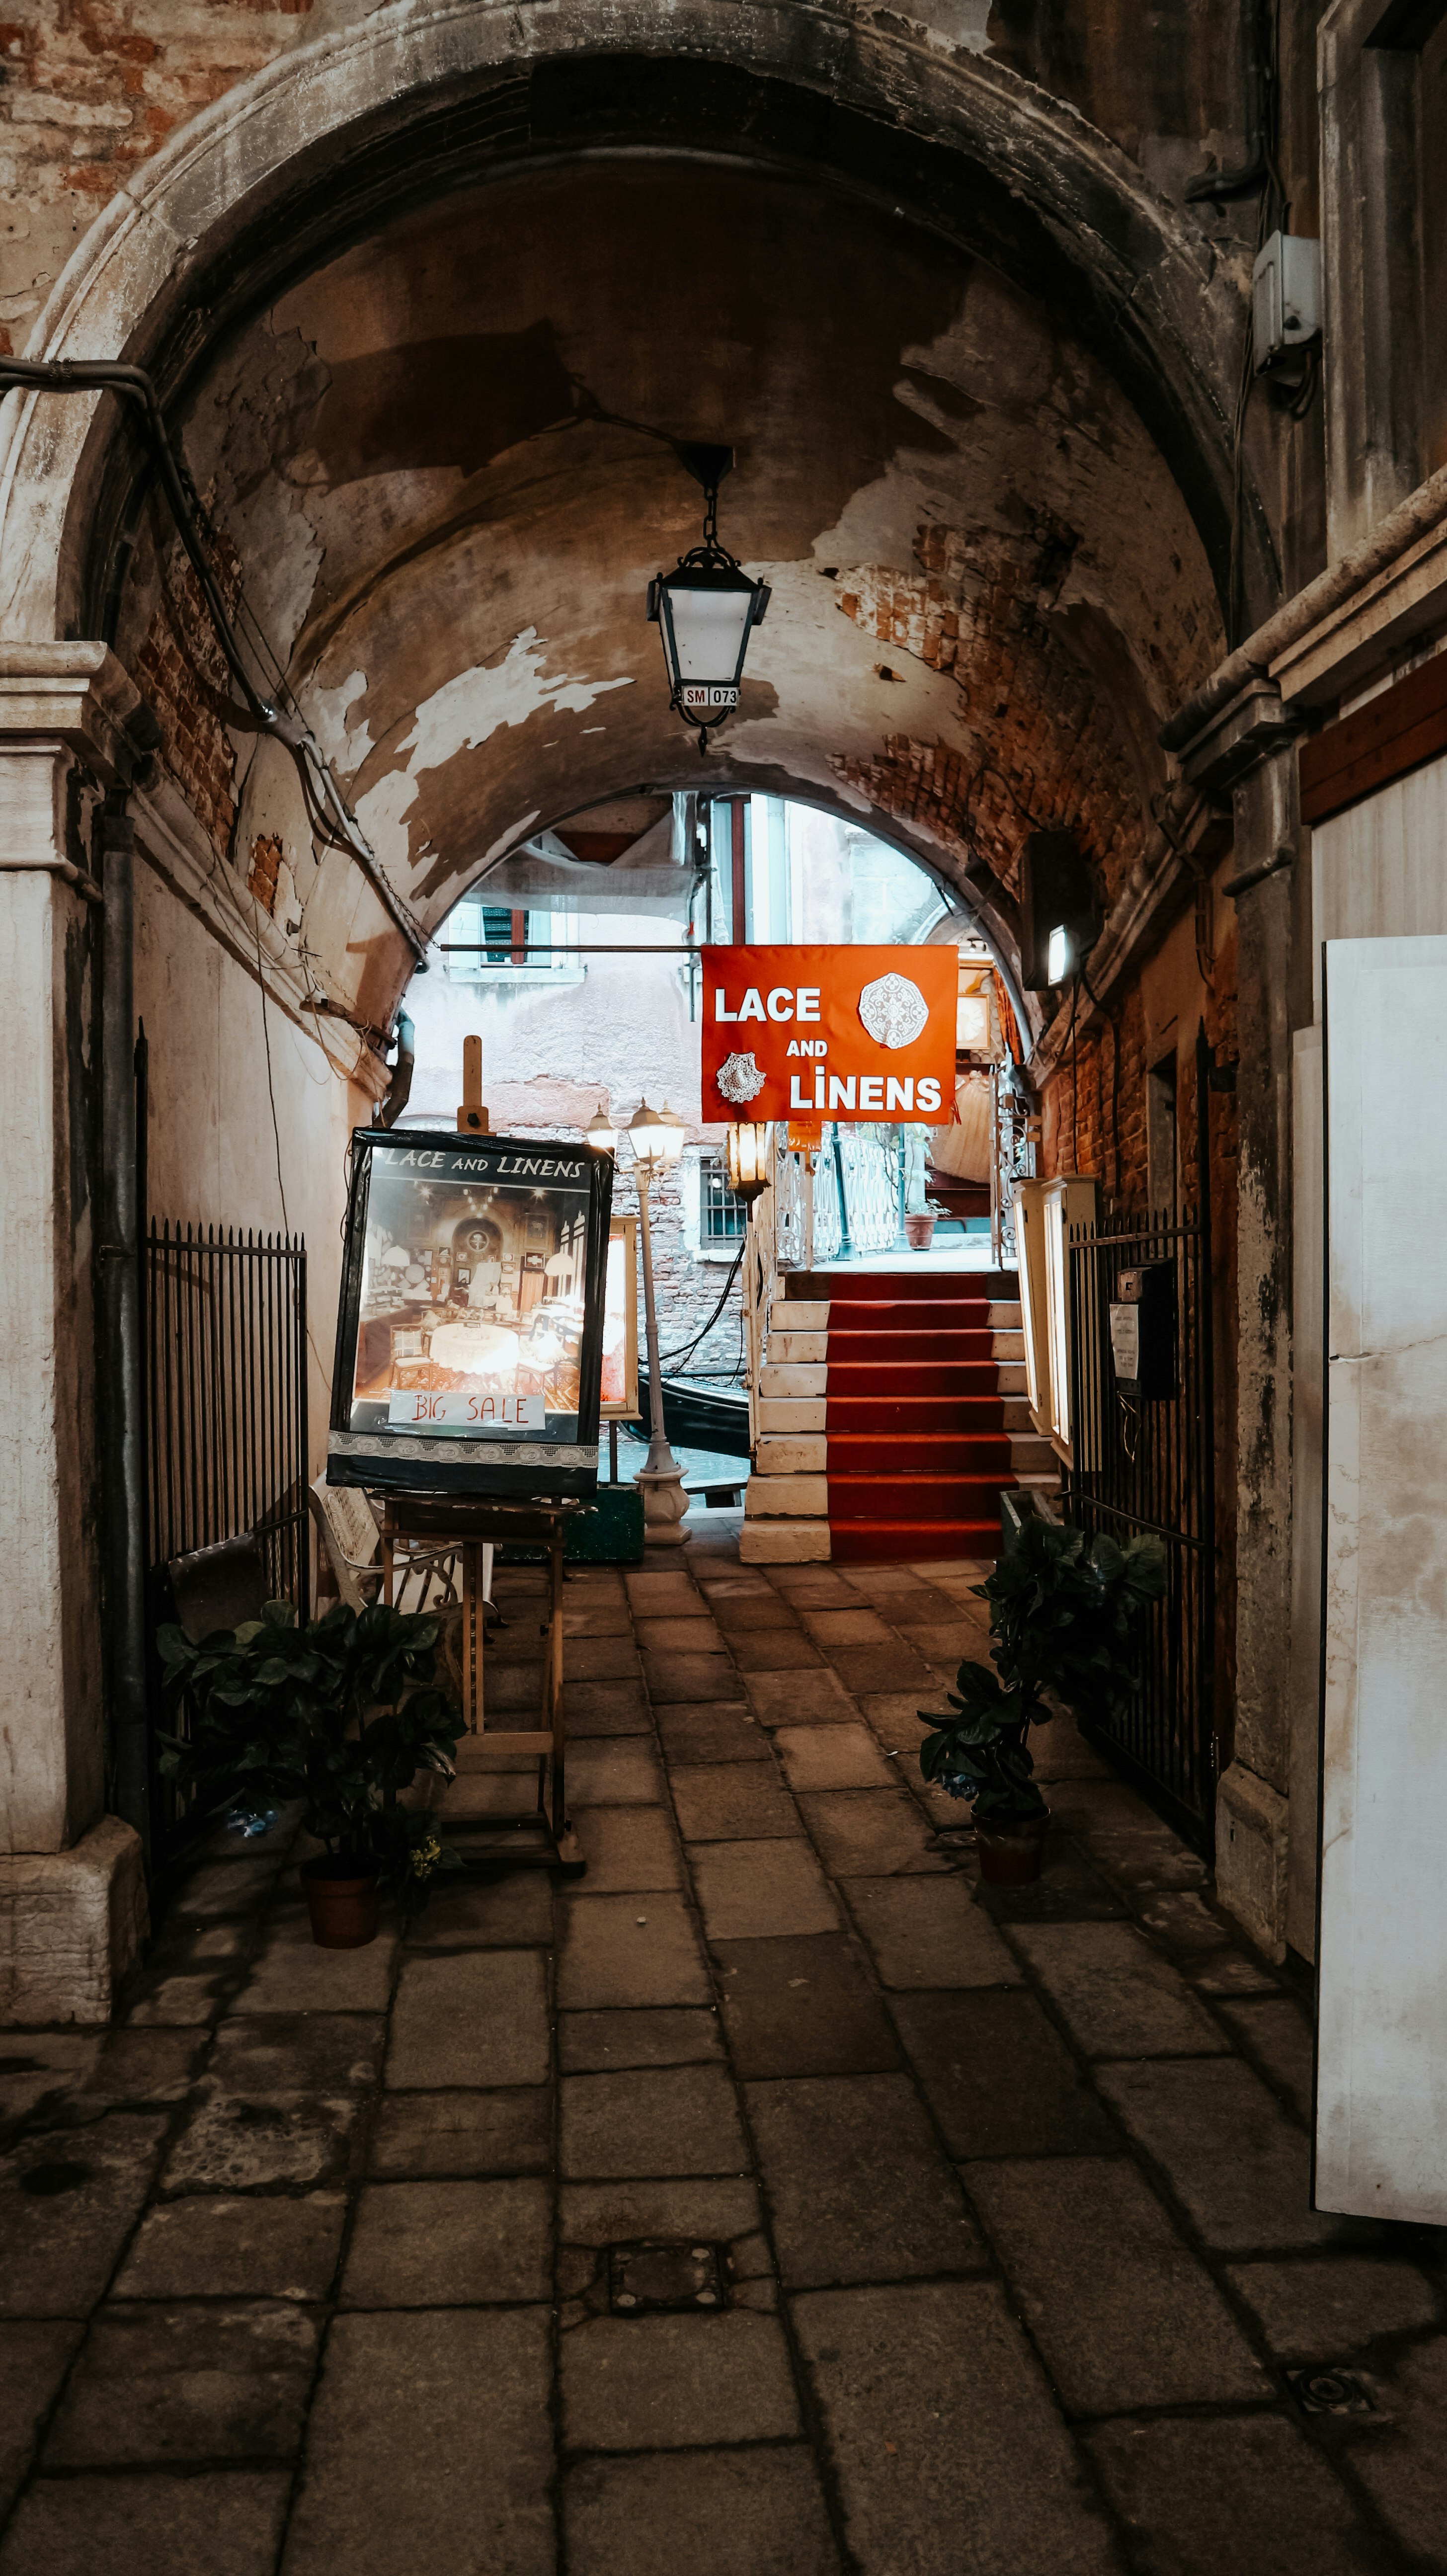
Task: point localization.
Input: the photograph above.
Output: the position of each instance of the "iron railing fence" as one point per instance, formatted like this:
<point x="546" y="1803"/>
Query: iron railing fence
<point x="226" y="1421"/>
<point x="1148" y="1464"/>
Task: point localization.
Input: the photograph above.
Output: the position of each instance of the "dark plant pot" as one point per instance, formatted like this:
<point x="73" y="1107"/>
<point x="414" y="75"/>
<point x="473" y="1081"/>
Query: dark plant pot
<point x="1010" y="1856"/>
<point x="919" y="1232"/>
<point x="342" y="1903"/>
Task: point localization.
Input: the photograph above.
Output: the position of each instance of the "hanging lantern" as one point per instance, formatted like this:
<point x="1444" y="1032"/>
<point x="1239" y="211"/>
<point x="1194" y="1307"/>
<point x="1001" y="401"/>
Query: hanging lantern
<point x="706" y="610"/>
<point x="748" y="1162"/>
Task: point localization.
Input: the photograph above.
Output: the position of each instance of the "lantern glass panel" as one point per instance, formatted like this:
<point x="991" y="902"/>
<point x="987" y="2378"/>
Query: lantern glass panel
<point x="709" y="626"/>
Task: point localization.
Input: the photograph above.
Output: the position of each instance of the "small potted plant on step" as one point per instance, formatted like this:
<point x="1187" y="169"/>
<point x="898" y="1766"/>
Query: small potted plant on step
<point x="1064" y="1619"/>
<point x="341" y="1714"/>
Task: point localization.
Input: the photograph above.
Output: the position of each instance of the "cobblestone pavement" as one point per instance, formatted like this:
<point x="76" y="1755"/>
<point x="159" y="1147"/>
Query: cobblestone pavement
<point x="768" y="2201"/>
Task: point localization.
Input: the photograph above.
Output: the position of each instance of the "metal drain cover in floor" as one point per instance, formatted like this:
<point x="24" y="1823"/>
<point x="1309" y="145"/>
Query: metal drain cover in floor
<point x="1328" y="2392"/>
<point x="644" y="2278"/>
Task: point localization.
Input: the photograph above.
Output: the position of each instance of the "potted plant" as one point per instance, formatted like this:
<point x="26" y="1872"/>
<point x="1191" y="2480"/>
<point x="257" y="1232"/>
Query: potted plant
<point x="1064" y="1619"/>
<point x="341" y="1714"/>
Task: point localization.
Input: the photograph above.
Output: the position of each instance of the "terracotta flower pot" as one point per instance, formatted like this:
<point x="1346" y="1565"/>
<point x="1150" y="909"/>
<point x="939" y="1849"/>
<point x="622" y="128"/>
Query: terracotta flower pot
<point x="1011" y="1856"/>
<point x="919" y="1232"/>
<point x="341" y="1900"/>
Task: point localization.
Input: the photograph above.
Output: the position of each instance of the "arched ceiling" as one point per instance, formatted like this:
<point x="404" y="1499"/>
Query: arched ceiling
<point x="988" y="589"/>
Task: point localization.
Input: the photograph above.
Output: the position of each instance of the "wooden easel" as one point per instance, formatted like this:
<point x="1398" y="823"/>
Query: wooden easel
<point x="470" y="1525"/>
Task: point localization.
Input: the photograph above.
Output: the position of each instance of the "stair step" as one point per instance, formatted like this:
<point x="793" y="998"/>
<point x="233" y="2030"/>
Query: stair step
<point x="878" y="1284"/>
<point x="870" y="1542"/>
<point x="975" y="1343"/>
<point x="916" y="1497"/>
<point x="938" y="1378"/>
<point x="929" y="1453"/>
<point x="962" y="1415"/>
<point x="911" y="1315"/>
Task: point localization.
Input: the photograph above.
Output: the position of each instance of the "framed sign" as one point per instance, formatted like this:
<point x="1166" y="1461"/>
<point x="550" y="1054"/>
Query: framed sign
<point x="470" y="1335"/>
<point x="842" y="1033"/>
<point x="620" y="1323"/>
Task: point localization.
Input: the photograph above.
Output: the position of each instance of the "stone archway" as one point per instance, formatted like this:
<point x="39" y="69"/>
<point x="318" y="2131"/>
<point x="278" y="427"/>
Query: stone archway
<point x="991" y="586"/>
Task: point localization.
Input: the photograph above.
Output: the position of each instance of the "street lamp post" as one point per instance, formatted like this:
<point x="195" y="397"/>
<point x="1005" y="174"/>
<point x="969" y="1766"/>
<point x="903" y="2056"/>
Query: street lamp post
<point x="656" y="1137"/>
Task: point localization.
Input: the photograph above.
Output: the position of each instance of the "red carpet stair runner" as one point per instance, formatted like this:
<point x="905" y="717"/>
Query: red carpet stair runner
<point x="892" y="1415"/>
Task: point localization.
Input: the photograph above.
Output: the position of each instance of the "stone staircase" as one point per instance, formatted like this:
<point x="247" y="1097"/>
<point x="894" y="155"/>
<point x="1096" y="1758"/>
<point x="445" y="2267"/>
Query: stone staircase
<point x="892" y="1415"/>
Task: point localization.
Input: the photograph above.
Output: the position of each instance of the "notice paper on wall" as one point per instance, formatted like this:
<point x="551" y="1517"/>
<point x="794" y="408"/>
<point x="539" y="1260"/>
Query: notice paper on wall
<point x="840" y="1032"/>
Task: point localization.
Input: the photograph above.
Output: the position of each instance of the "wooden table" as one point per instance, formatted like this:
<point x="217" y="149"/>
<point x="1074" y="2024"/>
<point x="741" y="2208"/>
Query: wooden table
<point x="468" y="1526"/>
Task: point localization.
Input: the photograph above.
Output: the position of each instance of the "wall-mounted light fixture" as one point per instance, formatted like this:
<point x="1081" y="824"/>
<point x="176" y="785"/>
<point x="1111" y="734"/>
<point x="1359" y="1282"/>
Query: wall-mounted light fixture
<point x="706" y="609"/>
<point x="748" y="1161"/>
<point x="600" y="1132"/>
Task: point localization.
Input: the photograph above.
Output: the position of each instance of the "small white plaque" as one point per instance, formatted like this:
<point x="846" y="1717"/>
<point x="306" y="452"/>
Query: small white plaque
<point x="1125" y="1340"/>
<point x="419" y="1409"/>
<point x="707" y="697"/>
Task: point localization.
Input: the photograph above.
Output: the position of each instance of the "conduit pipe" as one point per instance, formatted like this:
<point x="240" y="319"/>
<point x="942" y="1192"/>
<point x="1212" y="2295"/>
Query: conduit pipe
<point x="327" y="811"/>
<point x="1416" y="517"/>
<point x="122" y="1355"/>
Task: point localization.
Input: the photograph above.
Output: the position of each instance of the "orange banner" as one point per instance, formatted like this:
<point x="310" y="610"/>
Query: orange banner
<point x="843" y="1033"/>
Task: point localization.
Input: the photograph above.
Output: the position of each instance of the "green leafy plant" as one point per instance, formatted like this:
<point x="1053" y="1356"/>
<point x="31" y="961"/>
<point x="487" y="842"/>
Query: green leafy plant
<point x="341" y="1714"/>
<point x="1063" y="1620"/>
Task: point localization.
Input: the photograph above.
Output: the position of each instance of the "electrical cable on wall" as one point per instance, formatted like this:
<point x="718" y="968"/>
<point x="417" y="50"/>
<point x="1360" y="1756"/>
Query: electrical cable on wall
<point x="329" y="817"/>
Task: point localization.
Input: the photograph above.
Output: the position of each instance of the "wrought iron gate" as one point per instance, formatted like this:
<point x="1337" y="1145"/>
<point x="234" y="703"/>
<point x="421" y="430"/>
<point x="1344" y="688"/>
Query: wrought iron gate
<point x="226" y="1417"/>
<point x="1148" y="1463"/>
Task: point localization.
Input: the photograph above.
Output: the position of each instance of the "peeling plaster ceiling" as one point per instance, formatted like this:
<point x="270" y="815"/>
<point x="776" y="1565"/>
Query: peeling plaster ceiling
<point x="987" y="588"/>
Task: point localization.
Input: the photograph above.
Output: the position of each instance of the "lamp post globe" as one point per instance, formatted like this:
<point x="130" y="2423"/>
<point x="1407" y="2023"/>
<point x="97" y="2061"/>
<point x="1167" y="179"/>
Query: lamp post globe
<point x="656" y="1137"/>
<point x="600" y="1132"/>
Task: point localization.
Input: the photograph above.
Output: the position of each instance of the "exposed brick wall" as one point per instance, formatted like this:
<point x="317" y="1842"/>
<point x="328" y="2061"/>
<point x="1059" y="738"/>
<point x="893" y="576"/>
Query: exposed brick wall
<point x="1048" y="751"/>
<point x="91" y="88"/>
<point x="181" y="672"/>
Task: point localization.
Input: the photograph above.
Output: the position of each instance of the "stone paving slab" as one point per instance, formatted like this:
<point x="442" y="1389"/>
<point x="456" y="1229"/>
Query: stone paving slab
<point x="1238" y="2164"/>
<point x="801" y="2007"/>
<point x="429" y="2448"/>
<point x="213" y="2524"/>
<point x="620" y="1773"/>
<point x="470" y="2017"/>
<point x="701" y="1733"/>
<point x="870" y="1833"/>
<point x="595" y="2043"/>
<point x="427" y="2135"/>
<point x="1117" y="1996"/>
<point x="198" y="2382"/>
<point x="1277" y="2036"/>
<point x="67" y="2205"/>
<point x="510" y="1910"/>
<point x="1123" y="2313"/>
<point x="857" y="2186"/>
<point x="621" y="1950"/>
<point x="730" y="1802"/>
<point x="835" y="1757"/>
<point x="657" y="2382"/>
<point x="929" y="1933"/>
<point x="650" y="2120"/>
<point x="753" y="2512"/>
<point x="758" y="1890"/>
<point x="449" y="2244"/>
<point x="1324" y="2308"/>
<point x="944" y="2438"/>
<point x="35" y="2355"/>
<point x="239" y="2247"/>
<point x="998" y="2077"/>
<point x="793" y="1699"/>
<point x="1246" y="2493"/>
<point x="628" y="1849"/>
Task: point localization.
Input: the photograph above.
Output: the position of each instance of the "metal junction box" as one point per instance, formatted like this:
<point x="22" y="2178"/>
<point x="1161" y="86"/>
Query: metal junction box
<point x="1143" y="1329"/>
<point x="1285" y="297"/>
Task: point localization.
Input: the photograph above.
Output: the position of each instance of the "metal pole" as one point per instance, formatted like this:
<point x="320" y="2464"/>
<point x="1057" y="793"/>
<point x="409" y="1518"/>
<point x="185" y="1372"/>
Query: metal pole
<point x="661" y="1478"/>
<point x="122" y="1392"/>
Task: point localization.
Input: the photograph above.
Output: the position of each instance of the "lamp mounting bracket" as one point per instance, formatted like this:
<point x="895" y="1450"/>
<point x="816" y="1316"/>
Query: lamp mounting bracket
<point x="707" y="465"/>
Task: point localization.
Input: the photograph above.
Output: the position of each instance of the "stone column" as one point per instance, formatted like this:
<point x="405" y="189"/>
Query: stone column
<point x="72" y="1896"/>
